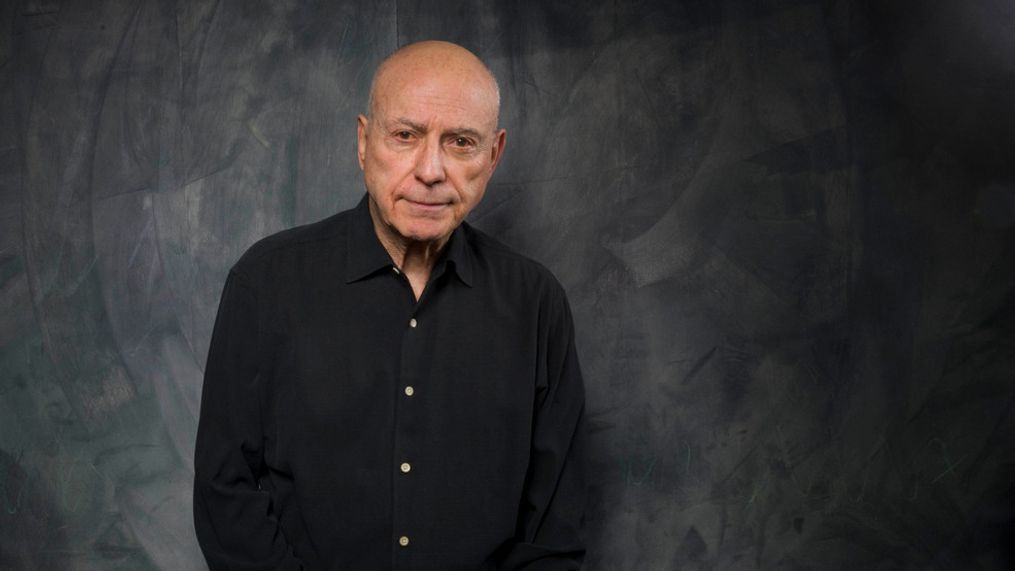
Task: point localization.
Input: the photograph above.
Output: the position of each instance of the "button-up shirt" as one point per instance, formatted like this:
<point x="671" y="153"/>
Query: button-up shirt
<point x="346" y="425"/>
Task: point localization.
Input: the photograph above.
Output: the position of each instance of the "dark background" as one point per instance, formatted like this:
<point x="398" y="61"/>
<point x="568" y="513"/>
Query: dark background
<point x="787" y="230"/>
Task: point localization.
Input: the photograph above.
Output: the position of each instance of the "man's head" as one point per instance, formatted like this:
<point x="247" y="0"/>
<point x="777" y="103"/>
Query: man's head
<point x="431" y="142"/>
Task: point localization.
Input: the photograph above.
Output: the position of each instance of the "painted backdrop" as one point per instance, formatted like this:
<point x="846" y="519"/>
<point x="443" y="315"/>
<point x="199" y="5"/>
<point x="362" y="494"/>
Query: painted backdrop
<point x="787" y="230"/>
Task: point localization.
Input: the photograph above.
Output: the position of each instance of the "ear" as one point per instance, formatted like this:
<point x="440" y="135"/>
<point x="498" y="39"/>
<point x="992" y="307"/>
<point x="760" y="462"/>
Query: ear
<point x="497" y="149"/>
<point x="362" y="124"/>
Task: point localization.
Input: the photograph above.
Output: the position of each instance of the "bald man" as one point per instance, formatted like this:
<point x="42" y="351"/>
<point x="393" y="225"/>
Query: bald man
<point x="390" y="388"/>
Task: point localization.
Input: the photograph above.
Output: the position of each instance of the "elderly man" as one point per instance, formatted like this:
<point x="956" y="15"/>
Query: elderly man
<point x="389" y="387"/>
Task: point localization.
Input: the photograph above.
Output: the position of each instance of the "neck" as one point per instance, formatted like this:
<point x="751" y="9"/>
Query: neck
<point x="414" y="258"/>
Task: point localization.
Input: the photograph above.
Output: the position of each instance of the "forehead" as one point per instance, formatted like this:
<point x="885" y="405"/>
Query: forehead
<point x="428" y="93"/>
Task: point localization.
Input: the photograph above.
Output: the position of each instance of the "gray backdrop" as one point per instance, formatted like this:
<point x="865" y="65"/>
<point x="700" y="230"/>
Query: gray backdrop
<point x="787" y="230"/>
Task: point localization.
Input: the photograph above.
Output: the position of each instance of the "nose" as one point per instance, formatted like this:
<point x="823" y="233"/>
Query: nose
<point x="430" y="163"/>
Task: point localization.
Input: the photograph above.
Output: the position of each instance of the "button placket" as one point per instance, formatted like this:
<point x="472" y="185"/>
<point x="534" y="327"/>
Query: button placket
<point x="406" y="445"/>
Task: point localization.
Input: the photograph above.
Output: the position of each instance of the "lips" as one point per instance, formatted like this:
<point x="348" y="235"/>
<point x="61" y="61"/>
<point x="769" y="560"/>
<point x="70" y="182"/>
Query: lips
<point x="428" y="205"/>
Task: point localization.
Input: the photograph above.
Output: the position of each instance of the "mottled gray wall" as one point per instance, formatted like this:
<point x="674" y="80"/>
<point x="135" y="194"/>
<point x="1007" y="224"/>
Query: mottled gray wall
<point x="787" y="230"/>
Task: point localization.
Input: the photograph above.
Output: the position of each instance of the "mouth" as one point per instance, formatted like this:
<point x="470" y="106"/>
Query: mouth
<point x="427" y="205"/>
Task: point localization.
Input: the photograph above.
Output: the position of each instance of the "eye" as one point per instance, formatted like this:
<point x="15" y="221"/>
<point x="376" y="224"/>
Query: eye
<point x="461" y="142"/>
<point x="403" y="135"/>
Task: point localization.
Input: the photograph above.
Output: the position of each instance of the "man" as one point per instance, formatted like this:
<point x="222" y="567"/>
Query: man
<point x="389" y="387"/>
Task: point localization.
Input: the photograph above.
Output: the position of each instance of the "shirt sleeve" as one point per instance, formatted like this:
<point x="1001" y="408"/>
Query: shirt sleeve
<point x="551" y="517"/>
<point x="233" y="515"/>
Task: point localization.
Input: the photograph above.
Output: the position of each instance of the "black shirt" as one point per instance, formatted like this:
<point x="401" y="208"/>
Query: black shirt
<point x="344" y="425"/>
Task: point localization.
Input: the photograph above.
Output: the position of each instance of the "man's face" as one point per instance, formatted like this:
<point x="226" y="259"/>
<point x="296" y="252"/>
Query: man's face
<point x="429" y="149"/>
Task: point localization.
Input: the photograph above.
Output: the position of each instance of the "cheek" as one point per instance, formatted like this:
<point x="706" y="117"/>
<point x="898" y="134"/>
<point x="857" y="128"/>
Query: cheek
<point x="381" y="175"/>
<point x="474" y="183"/>
<point x="469" y="173"/>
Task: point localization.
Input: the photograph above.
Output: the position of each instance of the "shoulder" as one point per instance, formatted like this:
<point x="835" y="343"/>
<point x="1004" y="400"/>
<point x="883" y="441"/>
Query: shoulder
<point x="293" y="244"/>
<point x="505" y="265"/>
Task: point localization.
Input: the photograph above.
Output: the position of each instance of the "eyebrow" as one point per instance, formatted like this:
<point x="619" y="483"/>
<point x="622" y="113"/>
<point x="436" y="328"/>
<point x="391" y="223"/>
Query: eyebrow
<point x="466" y="131"/>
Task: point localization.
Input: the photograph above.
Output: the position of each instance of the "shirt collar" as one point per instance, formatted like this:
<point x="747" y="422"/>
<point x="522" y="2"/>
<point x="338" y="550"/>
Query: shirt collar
<point x="458" y="254"/>
<point x="365" y="255"/>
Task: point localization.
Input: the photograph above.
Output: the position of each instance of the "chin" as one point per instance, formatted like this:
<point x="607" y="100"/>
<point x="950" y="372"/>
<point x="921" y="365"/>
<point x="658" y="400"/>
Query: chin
<point x="425" y="231"/>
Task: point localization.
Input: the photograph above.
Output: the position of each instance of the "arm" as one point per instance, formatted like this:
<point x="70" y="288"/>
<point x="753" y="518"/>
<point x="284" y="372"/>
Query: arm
<point x="232" y="514"/>
<point x="551" y="517"/>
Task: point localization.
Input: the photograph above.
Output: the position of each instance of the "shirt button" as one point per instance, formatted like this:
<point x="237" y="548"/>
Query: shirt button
<point x="408" y="391"/>
<point x="412" y="323"/>
<point x="403" y="541"/>
<point x="405" y="467"/>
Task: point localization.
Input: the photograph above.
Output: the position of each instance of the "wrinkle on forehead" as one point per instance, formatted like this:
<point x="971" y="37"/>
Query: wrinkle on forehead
<point x="436" y="66"/>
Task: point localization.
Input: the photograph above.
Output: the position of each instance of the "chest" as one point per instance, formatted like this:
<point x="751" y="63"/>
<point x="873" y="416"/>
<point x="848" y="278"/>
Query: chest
<point x="362" y="361"/>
